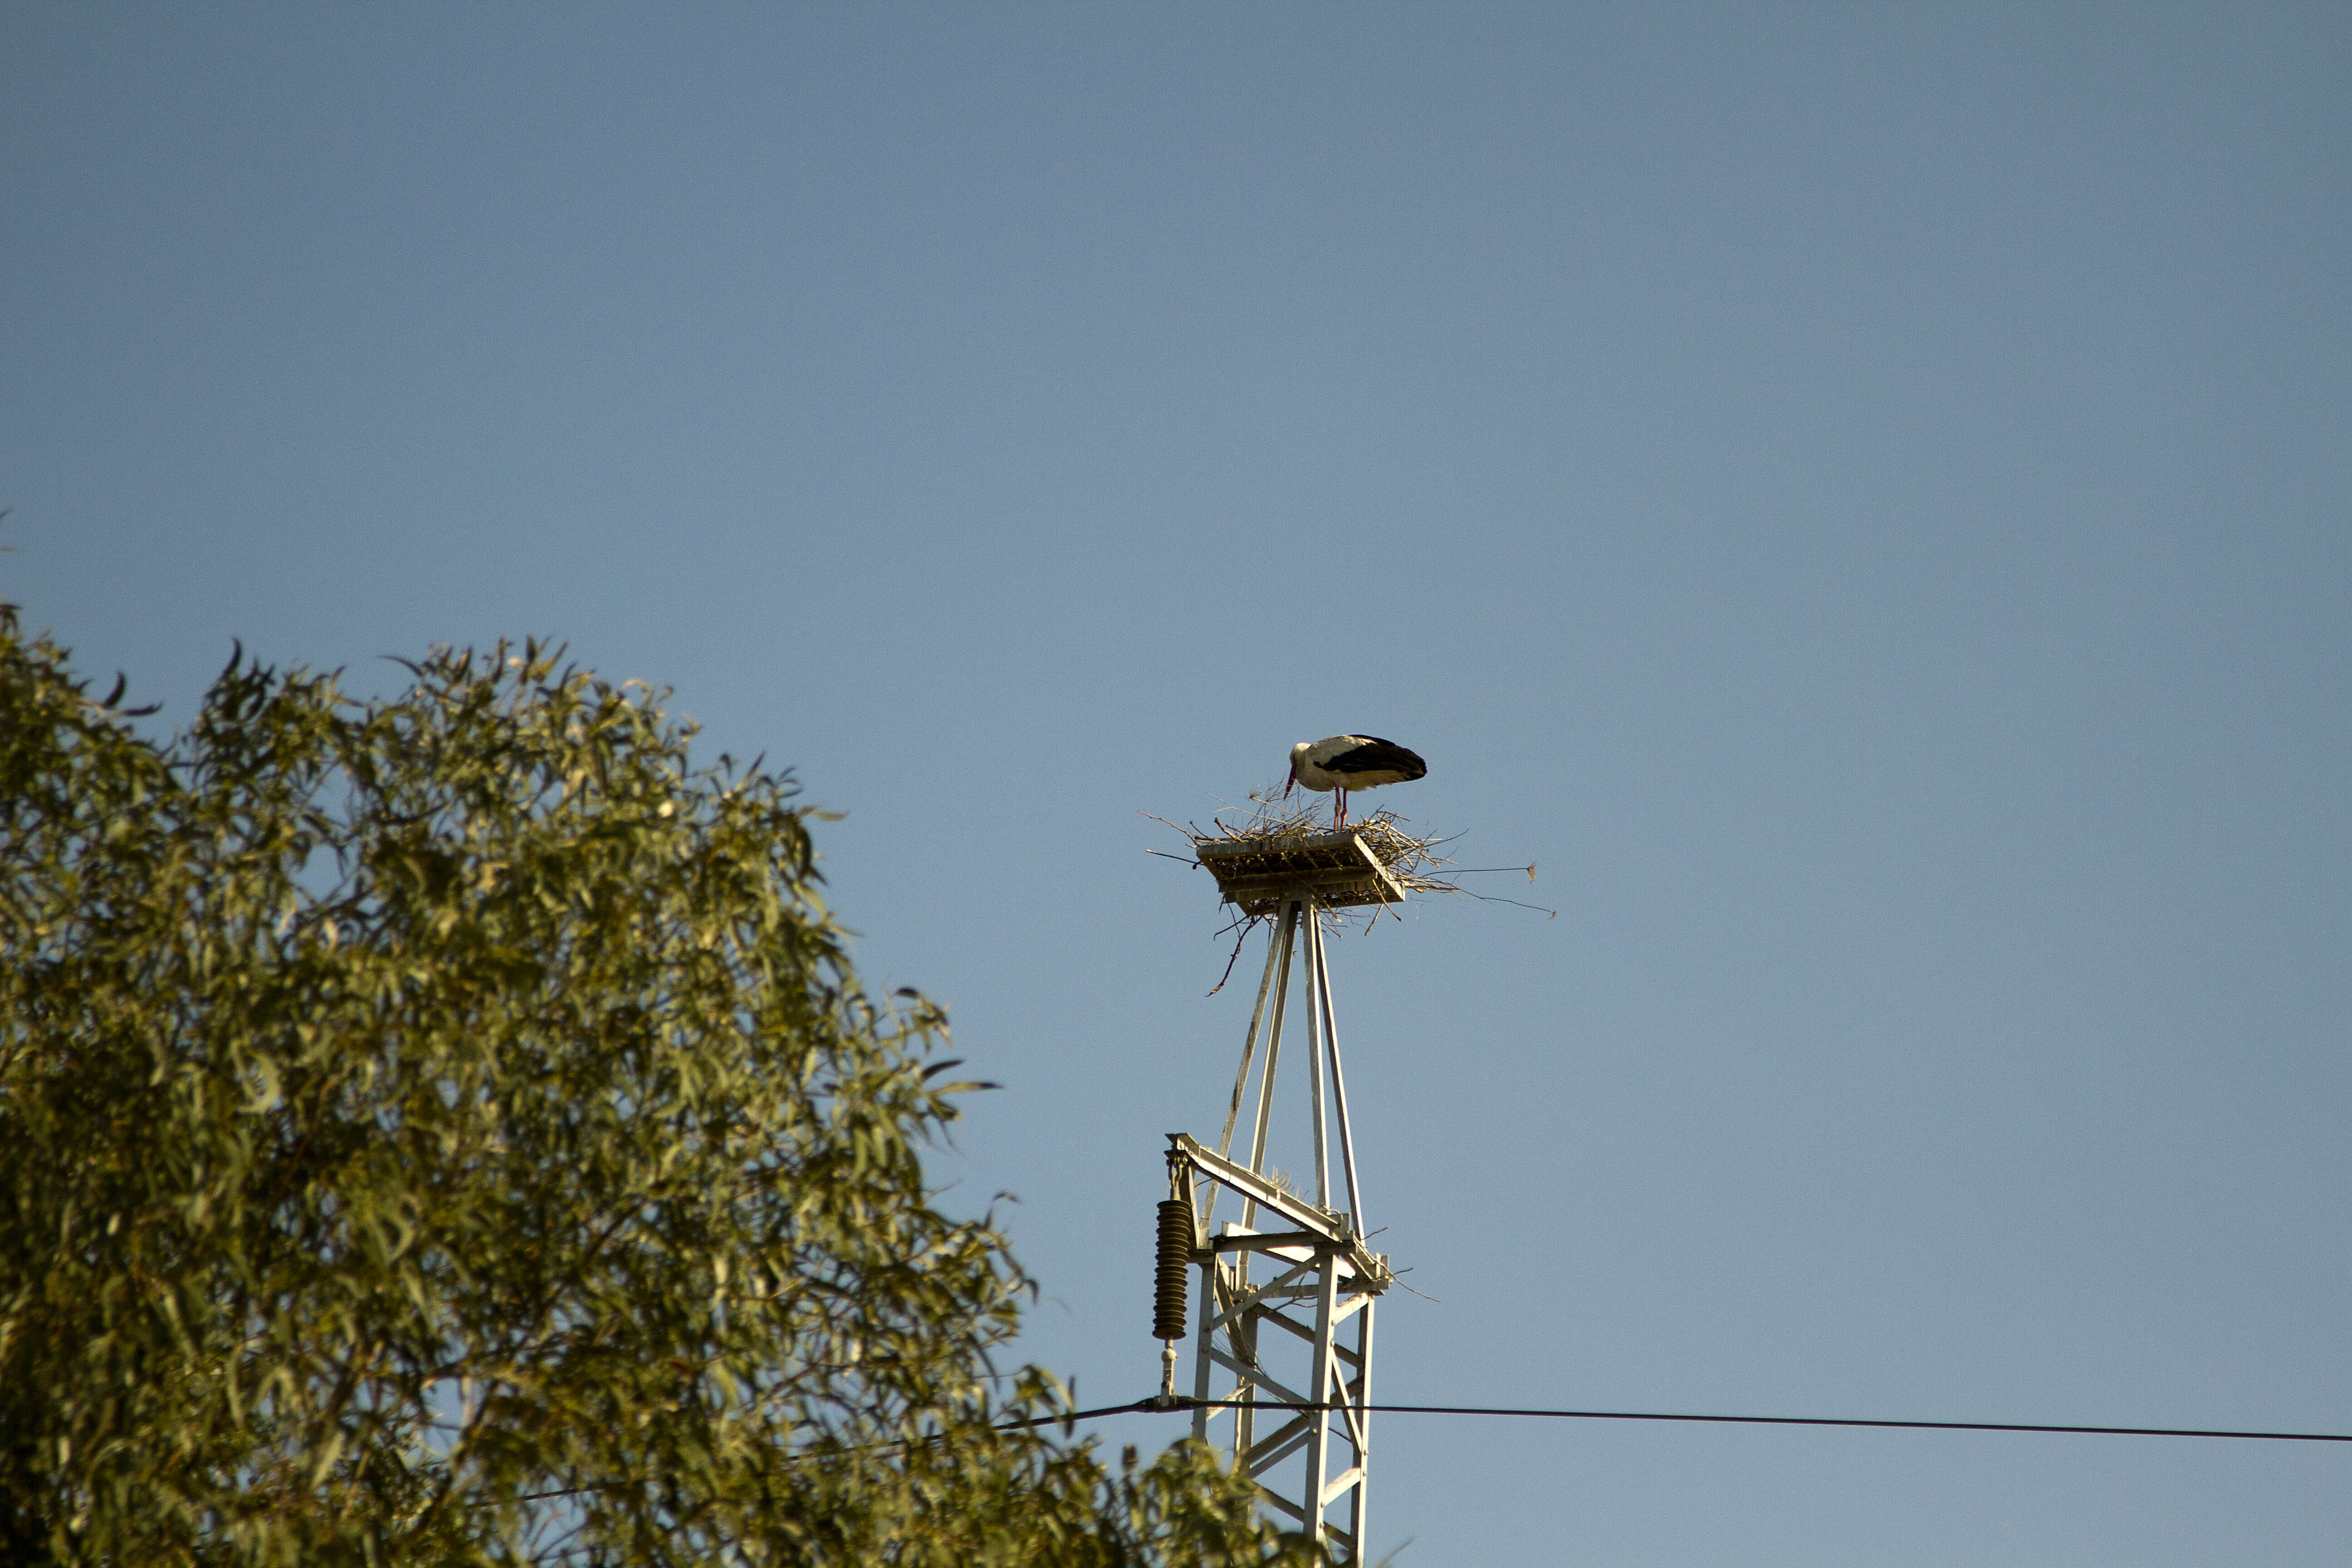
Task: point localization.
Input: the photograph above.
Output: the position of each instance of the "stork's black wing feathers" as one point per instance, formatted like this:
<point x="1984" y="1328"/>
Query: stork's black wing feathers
<point x="1378" y="756"/>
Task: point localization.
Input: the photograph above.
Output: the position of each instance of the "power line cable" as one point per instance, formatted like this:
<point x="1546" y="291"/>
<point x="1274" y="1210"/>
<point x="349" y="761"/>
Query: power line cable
<point x="1155" y="1407"/>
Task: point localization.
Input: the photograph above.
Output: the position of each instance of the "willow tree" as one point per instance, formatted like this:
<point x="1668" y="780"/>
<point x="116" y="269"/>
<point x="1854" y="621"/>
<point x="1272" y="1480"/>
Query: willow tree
<point x="448" y="1130"/>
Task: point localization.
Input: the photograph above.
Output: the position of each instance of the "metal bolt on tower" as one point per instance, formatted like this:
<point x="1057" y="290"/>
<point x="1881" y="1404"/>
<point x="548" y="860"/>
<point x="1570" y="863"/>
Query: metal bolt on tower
<point x="1287" y="1291"/>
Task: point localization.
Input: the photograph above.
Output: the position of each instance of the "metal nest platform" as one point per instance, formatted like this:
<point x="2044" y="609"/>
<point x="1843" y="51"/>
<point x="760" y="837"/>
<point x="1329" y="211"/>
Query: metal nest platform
<point x="1338" y="868"/>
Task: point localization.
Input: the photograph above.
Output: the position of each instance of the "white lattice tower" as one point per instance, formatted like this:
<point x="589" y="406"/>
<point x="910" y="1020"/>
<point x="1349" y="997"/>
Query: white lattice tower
<point x="1288" y="1289"/>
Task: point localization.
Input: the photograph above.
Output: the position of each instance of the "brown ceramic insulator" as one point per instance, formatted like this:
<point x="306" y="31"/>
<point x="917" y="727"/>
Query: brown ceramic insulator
<point x="1172" y="1285"/>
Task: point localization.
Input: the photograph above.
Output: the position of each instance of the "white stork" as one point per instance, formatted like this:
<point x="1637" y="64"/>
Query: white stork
<point x="1343" y="762"/>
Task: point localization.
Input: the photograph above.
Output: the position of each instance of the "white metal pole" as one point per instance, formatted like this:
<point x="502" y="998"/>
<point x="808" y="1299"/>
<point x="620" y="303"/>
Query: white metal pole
<point x="1204" y="1368"/>
<point x="1206" y="1202"/>
<point x="1358" y="1504"/>
<point x="1242" y="1337"/>
<point x="1315" y="1058"/>
<point x="1319" y="1435"/>
<point x="1272" y="1057"/>
<point x="1320" y="973"/>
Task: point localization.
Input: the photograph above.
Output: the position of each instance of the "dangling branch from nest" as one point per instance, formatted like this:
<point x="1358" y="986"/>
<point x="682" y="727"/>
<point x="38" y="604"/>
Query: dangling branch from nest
<point x="1236" y="956"/>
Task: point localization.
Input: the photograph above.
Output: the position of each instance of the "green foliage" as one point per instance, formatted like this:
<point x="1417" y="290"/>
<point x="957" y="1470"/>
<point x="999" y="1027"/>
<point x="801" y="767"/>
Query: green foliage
<point x="448" y="1129"/>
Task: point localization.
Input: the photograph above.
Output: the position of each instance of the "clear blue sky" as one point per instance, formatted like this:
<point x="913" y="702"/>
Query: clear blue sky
<point x="1859" y="494"/>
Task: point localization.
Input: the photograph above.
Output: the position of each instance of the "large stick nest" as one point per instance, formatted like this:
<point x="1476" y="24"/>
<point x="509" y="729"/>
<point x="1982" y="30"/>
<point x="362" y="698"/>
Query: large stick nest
<point x="1411" y="858"/>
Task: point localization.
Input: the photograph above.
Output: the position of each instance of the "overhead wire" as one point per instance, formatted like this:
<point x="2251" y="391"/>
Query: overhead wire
<point x="1157" y="1407"/>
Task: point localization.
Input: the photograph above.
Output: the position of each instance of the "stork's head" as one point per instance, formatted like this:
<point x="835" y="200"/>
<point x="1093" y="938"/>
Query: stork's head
<point x="1298" y="755"/>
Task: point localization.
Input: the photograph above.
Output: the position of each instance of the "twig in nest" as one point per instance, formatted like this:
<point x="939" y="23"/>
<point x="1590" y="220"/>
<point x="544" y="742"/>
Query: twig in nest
<point x="1490" y="899"/>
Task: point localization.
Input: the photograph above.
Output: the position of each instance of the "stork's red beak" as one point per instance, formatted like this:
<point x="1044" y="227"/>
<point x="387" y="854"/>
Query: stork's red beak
<point x="1293" y="779"/>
